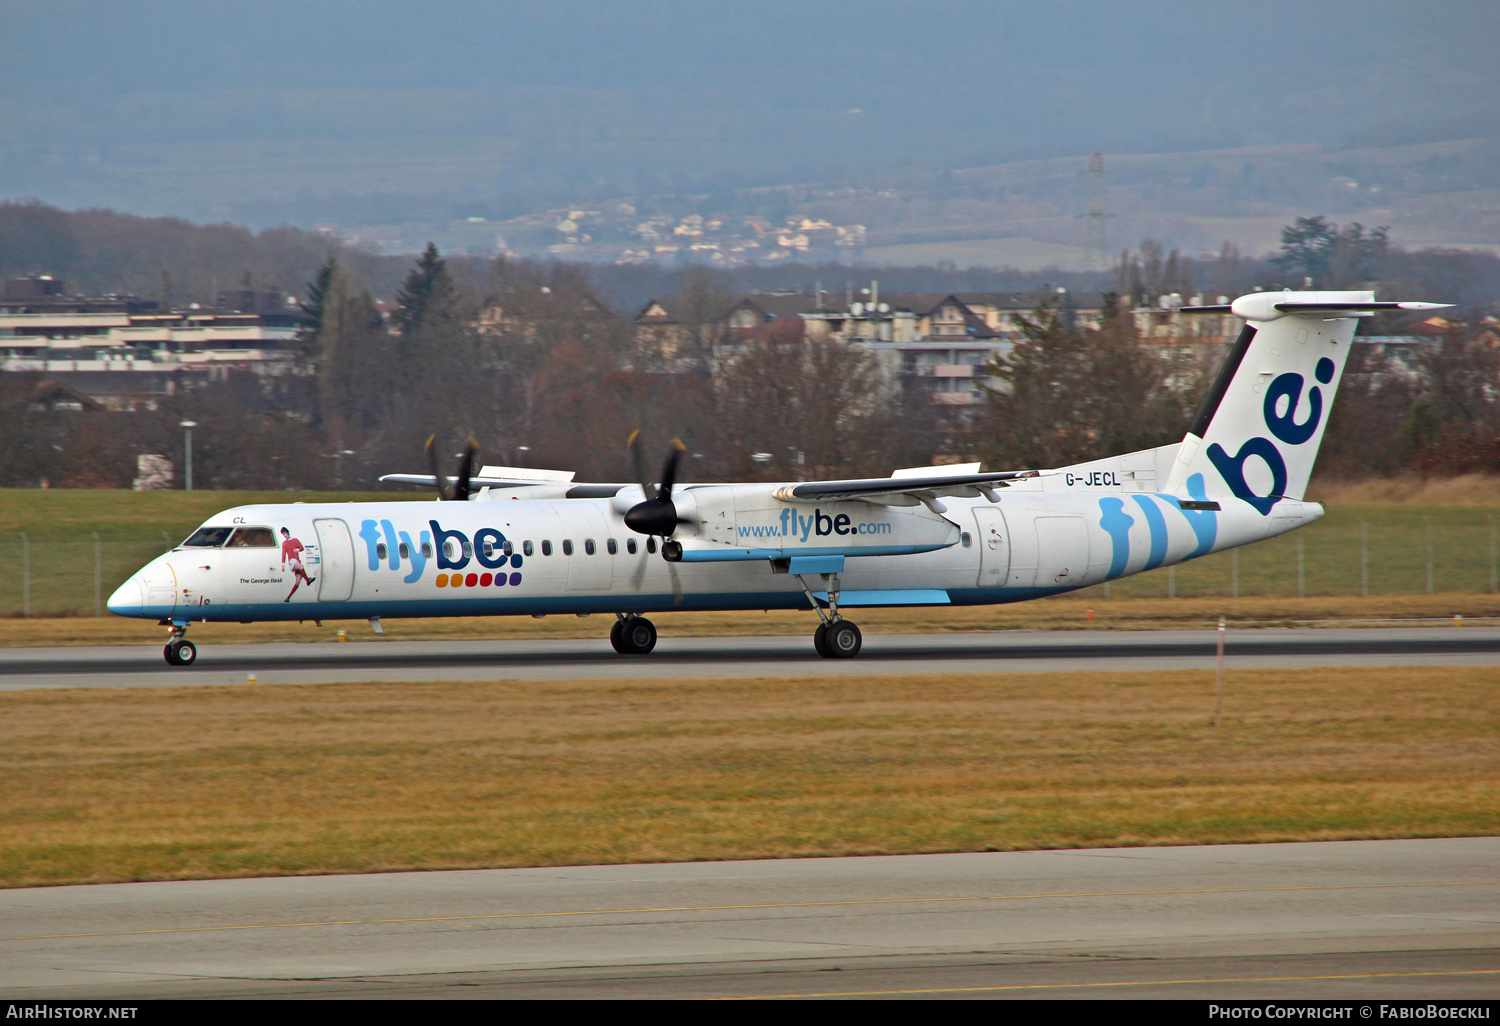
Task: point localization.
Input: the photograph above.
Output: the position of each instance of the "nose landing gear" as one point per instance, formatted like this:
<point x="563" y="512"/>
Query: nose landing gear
<point x="632" y="635"/>
<point x="179" y="651"/>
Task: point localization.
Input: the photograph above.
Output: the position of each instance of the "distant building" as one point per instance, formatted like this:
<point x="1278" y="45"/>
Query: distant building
<point x="523" y="314"/>
<point x="936" y="343"/>
<point x="123" y="351"/>
<point x="152" y="472"/>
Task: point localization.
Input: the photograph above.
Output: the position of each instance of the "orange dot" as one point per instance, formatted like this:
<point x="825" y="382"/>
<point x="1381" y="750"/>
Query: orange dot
<point x="442" y="580"/>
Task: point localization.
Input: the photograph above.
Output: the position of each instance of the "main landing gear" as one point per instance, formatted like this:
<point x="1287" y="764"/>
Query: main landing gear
<point x="632" y="635"/>
<point x="179" y="651"/>
<point x="835" y="638"/>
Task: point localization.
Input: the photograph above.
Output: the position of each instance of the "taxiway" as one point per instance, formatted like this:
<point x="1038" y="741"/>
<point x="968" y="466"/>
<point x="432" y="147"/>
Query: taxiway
<point x="1354" y="919"/>
<point x="982" y="652"/>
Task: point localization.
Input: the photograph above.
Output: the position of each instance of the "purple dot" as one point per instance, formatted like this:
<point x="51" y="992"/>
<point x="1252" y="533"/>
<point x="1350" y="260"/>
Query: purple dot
<point x="499" y="580"/>
<point x="515" y="579"/>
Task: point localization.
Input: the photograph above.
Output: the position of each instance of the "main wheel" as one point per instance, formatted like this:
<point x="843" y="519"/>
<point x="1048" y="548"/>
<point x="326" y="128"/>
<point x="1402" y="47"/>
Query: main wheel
<point x="820" y="641"/>
<point x="616" y="636"/>
<point x="843" y="640"/>
<point x="180" y="652"/>
<point x="637" y="635"/>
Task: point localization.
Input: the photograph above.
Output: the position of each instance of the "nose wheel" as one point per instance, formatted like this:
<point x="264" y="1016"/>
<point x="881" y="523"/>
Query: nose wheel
<point x="180" y="652"/>
<point x="633" y="635"/>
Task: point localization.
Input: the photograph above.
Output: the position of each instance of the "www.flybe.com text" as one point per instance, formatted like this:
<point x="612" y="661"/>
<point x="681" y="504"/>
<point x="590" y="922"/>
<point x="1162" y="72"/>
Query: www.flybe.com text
<point x="795" y="525"/>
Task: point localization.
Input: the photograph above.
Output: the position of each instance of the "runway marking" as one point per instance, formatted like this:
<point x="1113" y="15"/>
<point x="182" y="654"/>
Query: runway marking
<point x="733" y="908"/>
<point x="1112" y="983"/>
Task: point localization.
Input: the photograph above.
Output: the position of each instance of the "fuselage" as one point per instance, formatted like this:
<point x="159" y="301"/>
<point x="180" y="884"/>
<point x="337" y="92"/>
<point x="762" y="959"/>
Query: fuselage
<point x="506" y="555"/>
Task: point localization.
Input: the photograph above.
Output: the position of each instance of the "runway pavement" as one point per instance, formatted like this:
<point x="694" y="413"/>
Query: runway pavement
<point x="1356" y="919"/>
<point x="983" y="652"/>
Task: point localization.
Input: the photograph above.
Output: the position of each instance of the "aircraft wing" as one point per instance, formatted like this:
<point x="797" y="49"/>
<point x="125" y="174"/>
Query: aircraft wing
<point x="906" y="489"/>
<point x="494" y="477"/>
<point x="477" y="481"/>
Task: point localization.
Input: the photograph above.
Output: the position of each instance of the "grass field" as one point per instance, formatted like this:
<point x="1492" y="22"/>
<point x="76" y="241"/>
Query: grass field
<point x="1396" y="520"/>
<point x="167" y="783"/>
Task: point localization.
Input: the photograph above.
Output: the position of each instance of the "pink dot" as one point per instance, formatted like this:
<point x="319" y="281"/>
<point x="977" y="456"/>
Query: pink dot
<point x="471" y="580"/>
<point x="484" y="580"/>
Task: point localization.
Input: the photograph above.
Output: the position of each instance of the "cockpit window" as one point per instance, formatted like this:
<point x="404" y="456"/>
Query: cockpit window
<point x="210" y="537"/>
<point x="253" y="538"/>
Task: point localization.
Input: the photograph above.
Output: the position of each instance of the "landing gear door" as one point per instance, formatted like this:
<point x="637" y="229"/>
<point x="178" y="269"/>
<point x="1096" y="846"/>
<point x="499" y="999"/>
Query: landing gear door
<point x="993" y="539"/>
<point x="336" y="548"/>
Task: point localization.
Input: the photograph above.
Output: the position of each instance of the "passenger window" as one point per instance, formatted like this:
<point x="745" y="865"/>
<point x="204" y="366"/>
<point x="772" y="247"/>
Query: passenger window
<point x="489" y="548"/>
<point x="630" y="545"/>
<point x="968" y="539"/>
<point x="209" y="537"/>
<point x="253" y="538"/>
<point x="613" y="548"/>
<point x="546" y="548"/>
<point x="588" y="546"/>
<point x="405" y="551"/>
<point x="450" y="549"/>
<point x="381" y="550"/>
<point x="650" y="544"/>
<point x="427" y="550"/>
<point x="567" y="546"/>
<point x="526" y="547"/>
<point x="468" y="549"/>
<point x="510" y="549"/>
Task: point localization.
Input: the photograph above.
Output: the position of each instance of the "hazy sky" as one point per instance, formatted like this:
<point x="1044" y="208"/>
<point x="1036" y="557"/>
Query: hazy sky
<point x="451" y="96"/>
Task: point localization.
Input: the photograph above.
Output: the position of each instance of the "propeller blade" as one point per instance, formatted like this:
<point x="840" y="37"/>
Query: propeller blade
<point x="676" y="584"/>
<point x="656" y="515"/>
<point x="432" y="465"/>
<point x="669" y="470"/>
<point x="640" y="572"/>
<point x="461" y="490"/>
<point x="634" y="445"/>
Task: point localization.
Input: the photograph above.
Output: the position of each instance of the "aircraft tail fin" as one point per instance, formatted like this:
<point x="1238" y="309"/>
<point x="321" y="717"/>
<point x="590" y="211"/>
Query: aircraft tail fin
<point x="1257" y="434"/>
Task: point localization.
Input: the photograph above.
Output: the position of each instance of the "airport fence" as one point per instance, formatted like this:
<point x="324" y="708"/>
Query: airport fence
<point x="1383" y="552"/>
<point x="1394" y="552"/>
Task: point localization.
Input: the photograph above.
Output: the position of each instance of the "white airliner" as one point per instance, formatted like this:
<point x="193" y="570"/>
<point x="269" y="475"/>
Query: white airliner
<point x="534" y="543"/>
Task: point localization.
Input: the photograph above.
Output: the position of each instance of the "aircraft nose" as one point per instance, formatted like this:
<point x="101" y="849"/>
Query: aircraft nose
<point x="129" y="598"/>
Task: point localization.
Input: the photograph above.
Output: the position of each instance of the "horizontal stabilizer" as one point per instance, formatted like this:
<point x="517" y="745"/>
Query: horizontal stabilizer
<point x="1267" y="306"/>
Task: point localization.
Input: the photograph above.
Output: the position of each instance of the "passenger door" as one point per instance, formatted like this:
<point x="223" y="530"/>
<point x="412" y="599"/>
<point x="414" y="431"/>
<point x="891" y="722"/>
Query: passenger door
<point x="336" y="579"/>
<point x="993" y="538"/>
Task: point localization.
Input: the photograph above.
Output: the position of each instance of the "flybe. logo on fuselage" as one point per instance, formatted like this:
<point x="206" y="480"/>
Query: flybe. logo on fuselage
<point x="795" y="525"/>
<point x="450" y="550"/>
<point x="1283" y="424"/>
